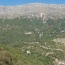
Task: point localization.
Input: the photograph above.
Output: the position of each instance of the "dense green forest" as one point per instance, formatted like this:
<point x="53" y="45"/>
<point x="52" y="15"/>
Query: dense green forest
<point x="29" y="41"/>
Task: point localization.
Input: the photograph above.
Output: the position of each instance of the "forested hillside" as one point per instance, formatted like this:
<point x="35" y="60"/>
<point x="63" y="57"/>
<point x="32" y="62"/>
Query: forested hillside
<point x="30" y="41"/>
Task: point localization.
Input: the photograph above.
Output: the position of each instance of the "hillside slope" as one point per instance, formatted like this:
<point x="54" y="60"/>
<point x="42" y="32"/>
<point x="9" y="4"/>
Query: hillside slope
<point x="33" y="9"/>
<point x="31" y="41"/>
<point x="32" y="34"/>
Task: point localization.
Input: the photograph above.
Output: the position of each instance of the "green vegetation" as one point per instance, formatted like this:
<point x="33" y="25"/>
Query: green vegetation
<point x="19" y="35"/>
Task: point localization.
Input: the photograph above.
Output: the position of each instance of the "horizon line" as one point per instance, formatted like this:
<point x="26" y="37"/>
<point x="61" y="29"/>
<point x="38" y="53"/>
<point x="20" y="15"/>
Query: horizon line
<point x="33" y="3"/>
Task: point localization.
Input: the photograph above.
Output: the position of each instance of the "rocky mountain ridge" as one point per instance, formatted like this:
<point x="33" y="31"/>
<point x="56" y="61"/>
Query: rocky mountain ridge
<point x="33" y="9"/>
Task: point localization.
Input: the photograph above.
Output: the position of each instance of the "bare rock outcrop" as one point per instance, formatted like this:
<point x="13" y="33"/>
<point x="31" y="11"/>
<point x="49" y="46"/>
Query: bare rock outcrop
<point x="33" y="9"/>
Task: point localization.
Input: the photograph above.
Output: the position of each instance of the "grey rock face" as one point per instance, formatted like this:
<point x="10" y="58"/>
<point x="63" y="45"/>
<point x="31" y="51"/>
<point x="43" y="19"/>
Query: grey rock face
<point x="34" y="9"/>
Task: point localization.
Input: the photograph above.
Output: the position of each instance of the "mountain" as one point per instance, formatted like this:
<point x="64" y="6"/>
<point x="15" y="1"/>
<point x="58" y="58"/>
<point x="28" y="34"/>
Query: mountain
<point x="33" y="9"/>
<point x="32" y="34"/>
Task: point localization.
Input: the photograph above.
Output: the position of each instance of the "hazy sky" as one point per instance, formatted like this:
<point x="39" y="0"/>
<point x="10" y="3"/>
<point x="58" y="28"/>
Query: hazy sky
<point x="18" y="2"/>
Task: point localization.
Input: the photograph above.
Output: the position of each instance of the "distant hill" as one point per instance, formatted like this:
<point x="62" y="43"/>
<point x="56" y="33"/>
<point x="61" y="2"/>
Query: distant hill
<point x="33" y="9"/>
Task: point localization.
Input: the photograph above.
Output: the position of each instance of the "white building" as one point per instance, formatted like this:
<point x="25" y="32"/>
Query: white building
<point x="28" y="52"/>
<point x="28" y="33"/>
